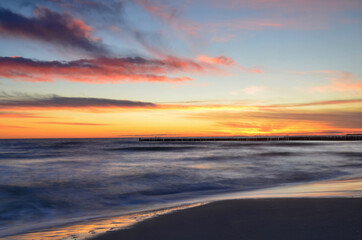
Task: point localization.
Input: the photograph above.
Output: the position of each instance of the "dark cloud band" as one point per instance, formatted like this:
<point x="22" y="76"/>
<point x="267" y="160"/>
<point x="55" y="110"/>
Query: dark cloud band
<point x="47" y="25"/>
<point x="99" y="70"/>
<point x="71" y="102"/>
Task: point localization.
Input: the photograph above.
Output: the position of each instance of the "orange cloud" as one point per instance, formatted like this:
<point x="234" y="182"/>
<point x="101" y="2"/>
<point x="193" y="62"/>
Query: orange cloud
<point x="282" y="122"/>
<point x="18" y="114"/>
<point x="89" y="117"/>
<point x="331" y="102"/>
<point x="312" y="104"/>
<point x="75" y="123"/>
<point x="221" y="60"/>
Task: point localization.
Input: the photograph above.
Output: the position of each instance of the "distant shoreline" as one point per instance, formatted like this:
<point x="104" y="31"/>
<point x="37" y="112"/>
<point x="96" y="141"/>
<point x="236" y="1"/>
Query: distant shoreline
<point x="348" y="137"/>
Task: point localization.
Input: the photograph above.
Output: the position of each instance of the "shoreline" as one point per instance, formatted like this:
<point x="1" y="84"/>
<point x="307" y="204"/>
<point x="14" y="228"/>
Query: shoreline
<point x="86" y="229"/>
<point x="130" y="226"/>
<point x="264" y="218"/>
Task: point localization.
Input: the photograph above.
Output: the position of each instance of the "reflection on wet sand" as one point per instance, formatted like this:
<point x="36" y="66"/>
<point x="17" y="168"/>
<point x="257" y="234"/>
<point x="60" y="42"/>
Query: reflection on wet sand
<point x="90" y="228"/>
<point x="335" y="188"/>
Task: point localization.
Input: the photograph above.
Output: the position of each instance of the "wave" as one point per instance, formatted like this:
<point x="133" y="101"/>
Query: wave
<point x="47" y="180"/>
<point x="153" y="148"/>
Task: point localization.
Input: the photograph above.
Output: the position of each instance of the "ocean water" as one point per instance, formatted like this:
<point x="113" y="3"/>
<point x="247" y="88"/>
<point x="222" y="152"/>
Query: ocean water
<point x="49" y="182"/>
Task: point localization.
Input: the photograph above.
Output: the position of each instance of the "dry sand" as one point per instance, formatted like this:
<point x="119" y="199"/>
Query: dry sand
<point x="309" y="218"/>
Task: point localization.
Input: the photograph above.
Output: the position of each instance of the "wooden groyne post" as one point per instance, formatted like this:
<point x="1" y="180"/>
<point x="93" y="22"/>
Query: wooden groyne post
<point x="348" y="137"/>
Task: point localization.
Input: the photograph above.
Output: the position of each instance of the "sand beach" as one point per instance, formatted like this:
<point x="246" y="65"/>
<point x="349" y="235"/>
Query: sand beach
<point x="278" y="218"/>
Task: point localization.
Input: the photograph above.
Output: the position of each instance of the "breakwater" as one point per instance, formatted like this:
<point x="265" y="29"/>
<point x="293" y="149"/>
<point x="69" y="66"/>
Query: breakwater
<point x="351" y="137"/>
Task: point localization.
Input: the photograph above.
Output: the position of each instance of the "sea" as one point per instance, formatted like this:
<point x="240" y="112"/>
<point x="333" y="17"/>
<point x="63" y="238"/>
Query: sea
<point x="51" y="183"/>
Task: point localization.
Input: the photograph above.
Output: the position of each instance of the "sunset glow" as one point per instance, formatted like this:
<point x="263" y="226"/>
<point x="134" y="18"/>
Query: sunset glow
<point x="178" y="68"/>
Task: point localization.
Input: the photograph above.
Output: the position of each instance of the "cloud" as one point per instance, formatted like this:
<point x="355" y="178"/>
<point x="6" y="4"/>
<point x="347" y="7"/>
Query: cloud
<point x="247" y="106"/>
<point x="111" y="15"/>
<point x="286" y="121"/>
<point x="311" y="104"/>
<point x="11" y="126"/>
<point x="100" y="70"/>
<point x="225" y="61"/>
<point x="234" y="117"/>
<point x="11" y="114"/>
<point x="278" y="128"/>
<point x="254" y="126"/>
<point x="347" y="86"/>
<point x="159" y="9"/>
<point x="109" y="70"/>
<point x="275" y="14"/>
<point x="330" y="102"/>
<point x="153" y="42"/>
<point x="313" y="115"/>
<point x="337" y="118"/>
<point x="220" y="60"/>
<point x="21" y="100"/>
<point x="52" y="27"/>
<point x="74" y="123"/>
<point x="340" y="81"/>
<point x="171" y="16"/>
<point x="248" y="24"/>
<point x="345" y="116"/>
<point x="59" y="102"/>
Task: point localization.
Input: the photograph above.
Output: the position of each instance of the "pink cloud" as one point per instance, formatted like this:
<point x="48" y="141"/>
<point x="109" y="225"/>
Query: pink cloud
<point x="159" y="9"/>
<point x="101" y="70"/>
<point x="341" y="86"/>
<point x="220" y="60"/>
<point x="340" y="82"/>
<point x="112" y="70"/>
<point x="170" y="15"/>
<point x="248" y="24"/>
<point x="226" y="62"/>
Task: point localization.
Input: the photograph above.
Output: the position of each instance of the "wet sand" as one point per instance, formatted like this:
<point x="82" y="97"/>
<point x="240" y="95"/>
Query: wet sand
<point x="293" y="218"/>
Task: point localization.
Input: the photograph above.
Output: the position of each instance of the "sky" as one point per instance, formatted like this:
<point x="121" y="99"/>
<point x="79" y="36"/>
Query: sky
<point x="131" y="68"/>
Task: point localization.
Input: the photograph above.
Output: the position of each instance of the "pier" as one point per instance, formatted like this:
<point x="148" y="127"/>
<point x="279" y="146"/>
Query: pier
<point x="348" y="137"/>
